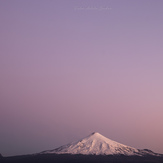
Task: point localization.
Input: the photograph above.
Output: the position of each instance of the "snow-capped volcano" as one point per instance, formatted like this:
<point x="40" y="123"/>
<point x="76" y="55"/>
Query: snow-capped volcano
<point x="97" y="144"/>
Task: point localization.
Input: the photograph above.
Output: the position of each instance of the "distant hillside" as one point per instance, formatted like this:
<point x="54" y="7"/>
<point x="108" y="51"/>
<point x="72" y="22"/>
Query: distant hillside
<point x="68" y="158"/>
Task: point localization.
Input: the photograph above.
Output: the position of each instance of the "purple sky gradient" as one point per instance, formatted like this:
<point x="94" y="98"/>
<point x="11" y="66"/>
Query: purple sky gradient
<point x="68" y="68"/>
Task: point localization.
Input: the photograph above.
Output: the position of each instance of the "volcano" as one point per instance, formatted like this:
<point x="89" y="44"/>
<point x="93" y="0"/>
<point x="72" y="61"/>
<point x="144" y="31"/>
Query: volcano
<point x="97" y="144"/>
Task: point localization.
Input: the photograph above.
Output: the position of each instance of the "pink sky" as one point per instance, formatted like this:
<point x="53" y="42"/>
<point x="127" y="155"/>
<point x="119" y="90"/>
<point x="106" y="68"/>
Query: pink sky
<point x="69" y="68"/>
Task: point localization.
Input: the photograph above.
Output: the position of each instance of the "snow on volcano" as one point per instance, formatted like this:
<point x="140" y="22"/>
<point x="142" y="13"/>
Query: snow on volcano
<point x="97" y="144"/>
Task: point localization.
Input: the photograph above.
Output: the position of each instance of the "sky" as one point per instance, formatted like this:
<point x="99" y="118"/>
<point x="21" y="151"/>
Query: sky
<point x="72" y="67"/>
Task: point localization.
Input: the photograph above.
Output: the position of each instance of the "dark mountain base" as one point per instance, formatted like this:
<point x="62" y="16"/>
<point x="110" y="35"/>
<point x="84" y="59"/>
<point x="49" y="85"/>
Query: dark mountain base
<point x="65" y="158"/>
